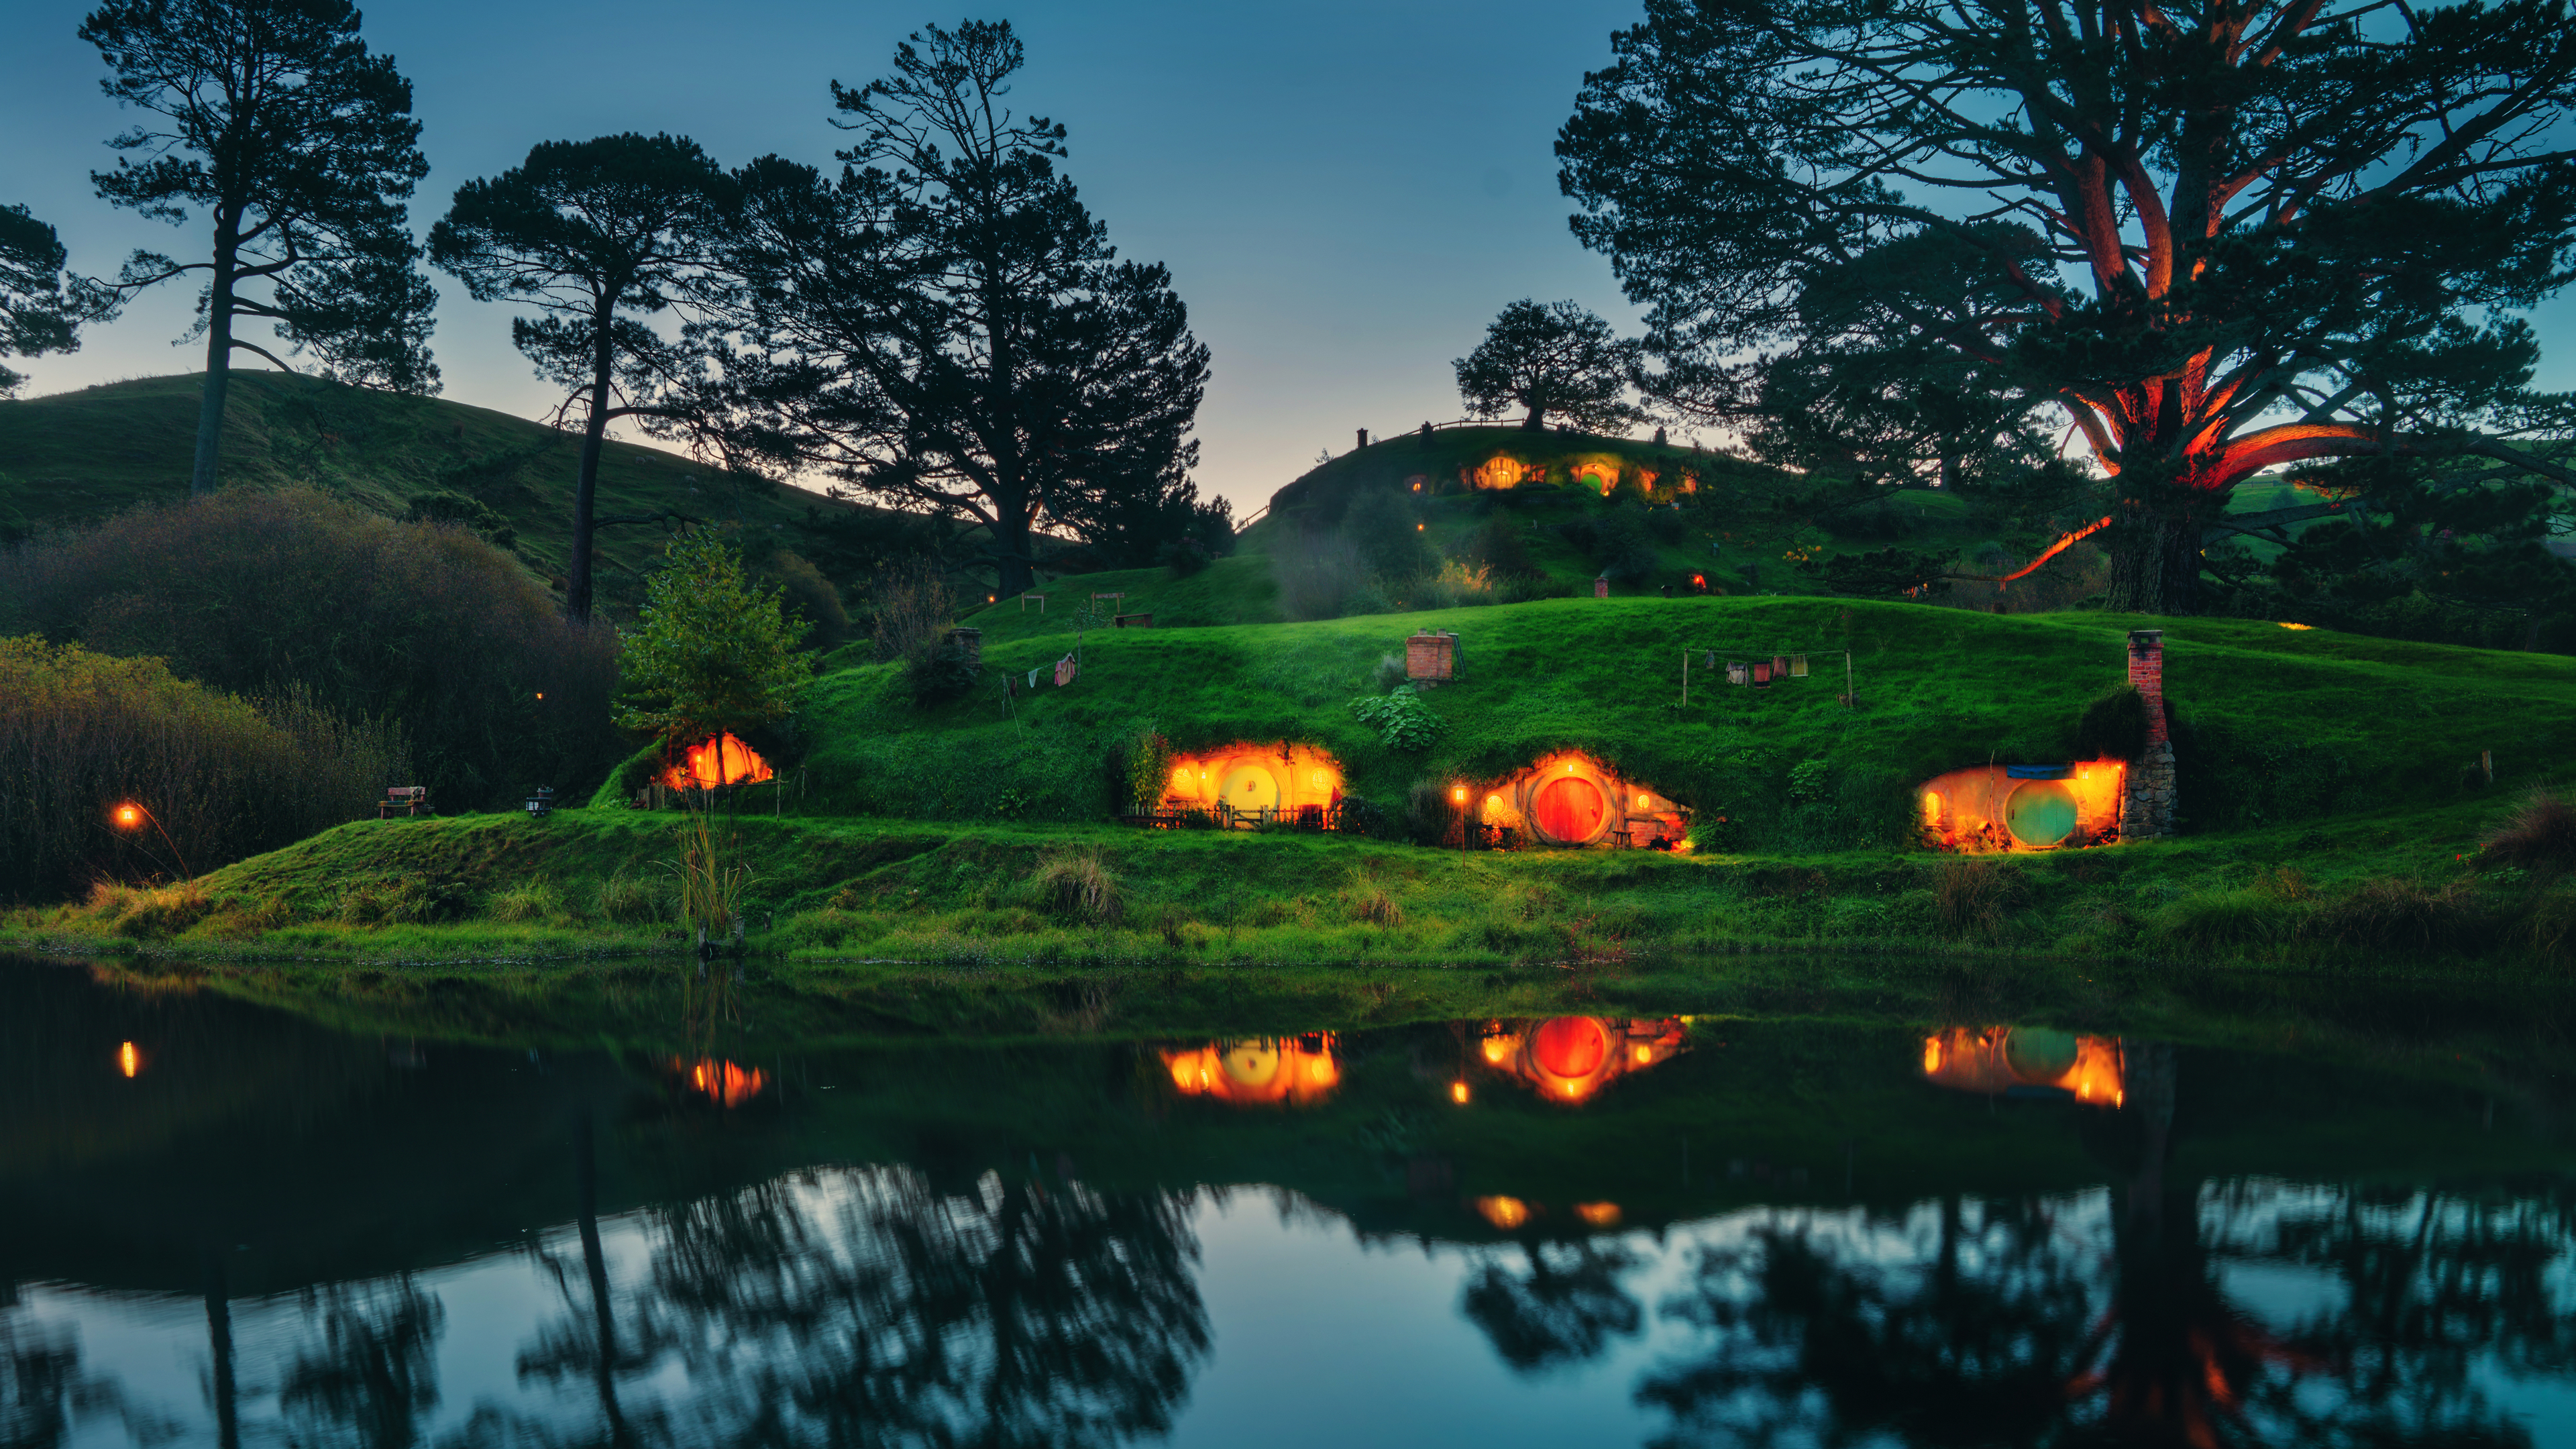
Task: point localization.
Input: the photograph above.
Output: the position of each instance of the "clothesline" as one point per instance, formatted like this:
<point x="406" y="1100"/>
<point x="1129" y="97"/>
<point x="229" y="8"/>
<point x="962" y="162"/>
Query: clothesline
<point x="1850" y="694"/>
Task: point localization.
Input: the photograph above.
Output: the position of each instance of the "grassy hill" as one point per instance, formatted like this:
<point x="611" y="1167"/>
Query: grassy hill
<point x="77" y="455"/>
<point x="926" y="834"/>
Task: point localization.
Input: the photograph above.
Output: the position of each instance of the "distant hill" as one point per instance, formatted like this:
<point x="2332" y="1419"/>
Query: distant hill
<point x="83" y="454"/>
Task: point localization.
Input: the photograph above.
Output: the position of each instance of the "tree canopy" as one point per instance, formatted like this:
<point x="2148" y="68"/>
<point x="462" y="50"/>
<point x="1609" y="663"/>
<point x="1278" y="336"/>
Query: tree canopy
<point x="300" y="146"/>
<point x="2219" y="239"/>
<point x="37" y="314"/>
<point x="945" y="327"/>
<point x="1553" y="359"/>
<point x="711" y="651"/>
<point x="596" y="236"/>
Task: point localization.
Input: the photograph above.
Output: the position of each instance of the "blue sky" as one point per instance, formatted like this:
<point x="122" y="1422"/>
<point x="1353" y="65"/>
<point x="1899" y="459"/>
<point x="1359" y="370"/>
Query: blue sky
<point x="1345" y="192"/>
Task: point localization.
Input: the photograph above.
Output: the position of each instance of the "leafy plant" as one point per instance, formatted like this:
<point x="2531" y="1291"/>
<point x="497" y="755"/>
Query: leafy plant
<point x="1148" y="768"/>
<point x="713" y="652"/>
<point x="1402" y="720"/>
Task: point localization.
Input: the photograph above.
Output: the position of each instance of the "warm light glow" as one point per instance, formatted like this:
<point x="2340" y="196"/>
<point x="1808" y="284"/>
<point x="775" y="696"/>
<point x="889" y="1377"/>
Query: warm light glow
<point x="1417" y="528"/>
<point x="721" y="1082"/>
<point x="1458" y="1093"/>
<point x="541" y="694"/>
<point x="2298" y="626"/>
<point x="1459" y="795"/>
<point x="1569" y="1058"/>
<point x="1494" y="802"/>
<point x="128" y="816"/>
<point x="1995" y="1060"/>
<point x="1505" y="1213"/>
<point x="1984" y="809"/>
<point x="1258" y="1071"/>
<point x="128" y="1060"/>
<point x="1598" y="1214"/>
<point x="1641" y="802"/>
<point x="723" y="760"/>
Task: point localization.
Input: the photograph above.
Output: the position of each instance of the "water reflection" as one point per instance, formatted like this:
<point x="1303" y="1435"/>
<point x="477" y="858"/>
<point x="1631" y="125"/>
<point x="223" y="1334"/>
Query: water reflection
<point x="1998" y="1235"/>
<point x="2022" y="1060"/>
<point x="1570" y="1058"/>
<point x="1257" y="1071"/>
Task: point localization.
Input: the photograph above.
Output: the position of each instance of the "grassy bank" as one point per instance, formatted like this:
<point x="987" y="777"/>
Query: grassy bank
<point x="836" y="896"/>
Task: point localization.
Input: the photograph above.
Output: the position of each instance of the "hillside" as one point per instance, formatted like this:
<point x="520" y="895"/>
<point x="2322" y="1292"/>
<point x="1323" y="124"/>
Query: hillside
<point x="2277" y="724"/>
<point x="82" y="454"/>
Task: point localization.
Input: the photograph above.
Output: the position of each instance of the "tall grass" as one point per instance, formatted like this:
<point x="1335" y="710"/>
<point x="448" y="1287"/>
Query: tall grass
<point x="1080" y="884"/>
<point x="219" y="778"/>
<point x="711" y="876"/>
<point x="2539" y="836"/>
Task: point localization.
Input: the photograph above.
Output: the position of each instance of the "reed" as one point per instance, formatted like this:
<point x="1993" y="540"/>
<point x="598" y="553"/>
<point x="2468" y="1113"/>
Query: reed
<point x="713" y="882"/>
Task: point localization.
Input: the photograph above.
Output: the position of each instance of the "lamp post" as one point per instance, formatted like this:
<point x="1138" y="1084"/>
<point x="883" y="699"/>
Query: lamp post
<point x="131" y="816"/>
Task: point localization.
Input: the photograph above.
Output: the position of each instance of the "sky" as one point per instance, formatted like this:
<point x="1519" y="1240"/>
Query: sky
<point x="1345" y="192"/>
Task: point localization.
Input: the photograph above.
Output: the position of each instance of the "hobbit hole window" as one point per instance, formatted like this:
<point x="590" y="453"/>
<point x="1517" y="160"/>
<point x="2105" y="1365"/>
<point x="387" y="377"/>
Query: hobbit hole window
<point x="2023" y="808"/>
<point x="723" y="760"/>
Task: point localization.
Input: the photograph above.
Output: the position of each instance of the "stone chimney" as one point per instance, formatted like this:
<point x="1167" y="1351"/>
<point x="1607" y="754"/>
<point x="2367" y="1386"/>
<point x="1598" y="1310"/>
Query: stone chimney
<point x="2147" y="806"/>
<point x="1363" y="437"/>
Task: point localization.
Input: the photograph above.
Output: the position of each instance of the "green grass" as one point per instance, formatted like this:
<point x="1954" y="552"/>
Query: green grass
<point x="80" y="455"/>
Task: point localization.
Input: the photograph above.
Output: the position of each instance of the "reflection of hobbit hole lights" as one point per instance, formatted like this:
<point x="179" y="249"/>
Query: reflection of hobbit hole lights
<point x="1598" y="1214"/>
<point x="1458" y="1093"/>
<point x="128" y="1060"/>
<point x="1505" y="1213"/>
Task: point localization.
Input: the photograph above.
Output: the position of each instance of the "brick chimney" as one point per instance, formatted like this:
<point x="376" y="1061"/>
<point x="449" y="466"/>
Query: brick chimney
<point x="2147" y="805"/>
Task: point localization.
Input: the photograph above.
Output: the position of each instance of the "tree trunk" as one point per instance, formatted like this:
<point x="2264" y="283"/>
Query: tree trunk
<point x="219" y="356"/>
<point x="1536" y="422"/>
<point x="595" y="1263"/>
<point x="219" y="1351"/>
<point x="2155" y="561"/>
<point x="585" y="487"/>
<point x="1011" y="535"/>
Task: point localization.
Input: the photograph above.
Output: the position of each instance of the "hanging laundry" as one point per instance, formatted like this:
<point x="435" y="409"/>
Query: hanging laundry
<point x="1034" y="675"/>
<point x="1761" y="674"/>
<point x="1797" y="666"/>
<point x="1064" y="671"/>
<point x="1708" y="659"/>
<point x="1737" y="672"/>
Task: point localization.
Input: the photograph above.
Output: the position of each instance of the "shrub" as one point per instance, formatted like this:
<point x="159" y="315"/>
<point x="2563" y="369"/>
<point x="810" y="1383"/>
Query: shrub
<point x="422" y="622"/>
<point x="2114" y="726"/>
<point x="1402" y="720"/>
<point x="2210" y="920"/>
<point x="1317" y="572"/>
<point x="2539" y="836"/>
<point x="1377" y="906"/>
<point x="1430" y="816"/>
<point x="910" y="609"/>
<point x="1079" y="883"/>
<point x="1147" y="769"/>
<point x="220" y="778"/>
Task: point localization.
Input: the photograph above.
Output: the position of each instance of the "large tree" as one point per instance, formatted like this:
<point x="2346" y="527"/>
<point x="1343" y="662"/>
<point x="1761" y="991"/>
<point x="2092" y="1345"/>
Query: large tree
<point x="300" y="147"/>
<point x="1556" y="358"/>
<point x="2266" y="231"/>
<point x="946" y="329"/>
<point x="598" y="237"/>
<point x="38" y="314"/>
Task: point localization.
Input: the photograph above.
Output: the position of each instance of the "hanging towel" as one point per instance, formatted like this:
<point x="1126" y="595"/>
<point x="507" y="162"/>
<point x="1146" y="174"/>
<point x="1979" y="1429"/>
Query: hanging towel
<point x="1064" y="671"/>
<point x="1033" y="675"/>
<point x="1738" y="673"/>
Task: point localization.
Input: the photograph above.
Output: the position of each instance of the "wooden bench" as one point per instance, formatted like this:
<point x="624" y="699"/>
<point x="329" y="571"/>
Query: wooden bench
<point x="403" y="800"/>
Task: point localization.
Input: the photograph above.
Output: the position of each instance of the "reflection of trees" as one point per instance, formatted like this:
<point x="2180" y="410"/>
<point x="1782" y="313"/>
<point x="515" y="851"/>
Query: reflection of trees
<point x="1990" y="1323"/>
<point x="1956" y="1326"/>
<point x="39" y="1374"/>
<point x="1565" y="1309"/>
<point x="862" y="1307"/>
<point x="370" y="1370"/>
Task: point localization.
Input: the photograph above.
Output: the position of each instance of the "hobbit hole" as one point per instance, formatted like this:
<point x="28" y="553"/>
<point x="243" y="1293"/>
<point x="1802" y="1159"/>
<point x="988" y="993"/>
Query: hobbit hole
<point x="1257" y="782"/>
<point x="722" y="760"/>
<point x="1572" y="799"/>
<point x="2025" y="1061"/>
<point x="1570" y="1058"/>
<point x="1257" y="1071"/>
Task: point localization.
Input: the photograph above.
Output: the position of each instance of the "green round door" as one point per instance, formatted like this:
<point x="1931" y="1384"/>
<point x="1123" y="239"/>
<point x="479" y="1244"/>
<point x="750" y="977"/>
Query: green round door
<point x="2040" y="812"/>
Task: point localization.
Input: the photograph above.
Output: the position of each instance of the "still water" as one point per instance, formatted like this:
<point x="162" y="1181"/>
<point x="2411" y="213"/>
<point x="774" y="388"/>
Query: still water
<point x="226" y="1224"/>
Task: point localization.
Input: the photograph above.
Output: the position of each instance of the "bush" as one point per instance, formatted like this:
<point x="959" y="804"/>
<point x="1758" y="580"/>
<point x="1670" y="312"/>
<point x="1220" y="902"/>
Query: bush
<point x="2210" y="920"/>
<point x="2113" y="727"/>
<point x="1376" y="907"/>
<point x="1146" y="771"/>
<point x="1430" y="816"/>
<point x="1401" y="719"/>
<point x="533" y="902"/>
<point x="630" y="901"/>
<point x="262" y="593"/>
<point x="82" y="733"/>
<point x="2539" y="836"/>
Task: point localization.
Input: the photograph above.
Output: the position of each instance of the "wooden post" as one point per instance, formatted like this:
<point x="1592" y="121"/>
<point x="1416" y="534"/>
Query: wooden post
<point x="1851" y="700"/>
<point x="1686" y="679"/>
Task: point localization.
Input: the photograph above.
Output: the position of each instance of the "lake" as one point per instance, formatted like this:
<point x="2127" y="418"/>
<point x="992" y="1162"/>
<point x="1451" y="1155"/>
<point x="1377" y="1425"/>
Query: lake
<point x="223" y="1223"/>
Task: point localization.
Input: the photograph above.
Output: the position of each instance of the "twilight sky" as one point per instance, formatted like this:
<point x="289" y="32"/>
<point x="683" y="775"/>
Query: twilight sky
<point x="1345" y="192"/>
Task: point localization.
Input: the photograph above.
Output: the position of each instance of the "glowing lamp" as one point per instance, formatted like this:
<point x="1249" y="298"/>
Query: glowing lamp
<point x="1417" y="528"/>
<point x="1459" y="795"/>
<point x="128" y="816"/>
<point x="128" y="1060"/>
<point x="1645" y="1054"/>
<point x="1457" y="1092"/>
<point x="541" y="694"/>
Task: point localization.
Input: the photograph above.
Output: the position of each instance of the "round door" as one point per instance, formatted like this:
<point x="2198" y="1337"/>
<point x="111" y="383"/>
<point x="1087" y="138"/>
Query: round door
<point x="2040" y="812"/>
<point x="1250" y="787"/>
<point x="1569" y="810"/>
